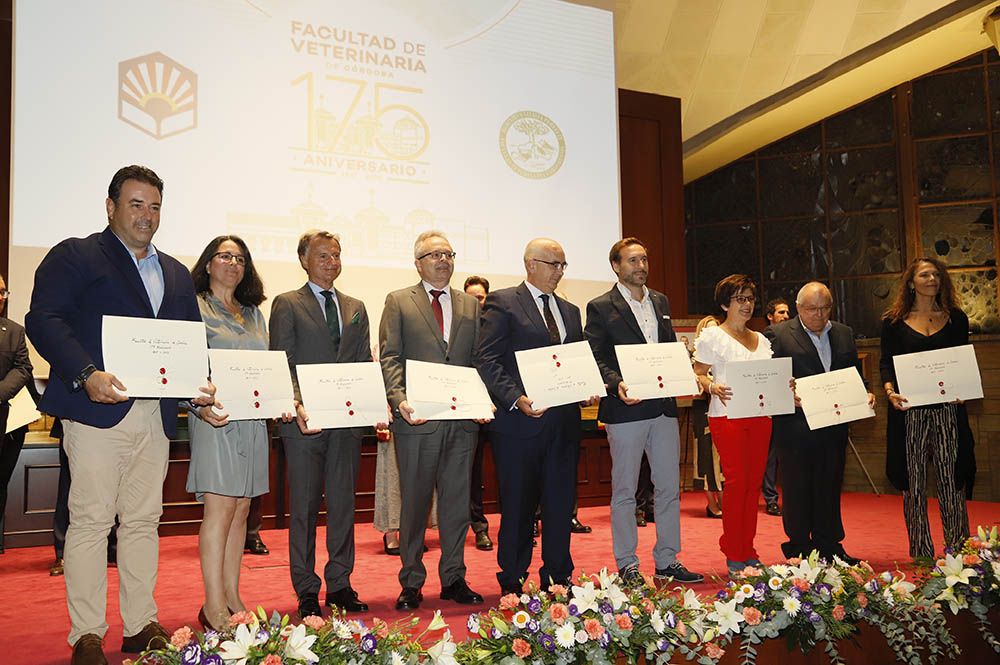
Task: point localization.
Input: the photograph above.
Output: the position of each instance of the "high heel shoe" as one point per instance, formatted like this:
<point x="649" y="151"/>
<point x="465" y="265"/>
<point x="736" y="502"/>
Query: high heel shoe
<point x="709" y="513"/>
<point x="206" y="625"/>
<point x="391" y="551"/>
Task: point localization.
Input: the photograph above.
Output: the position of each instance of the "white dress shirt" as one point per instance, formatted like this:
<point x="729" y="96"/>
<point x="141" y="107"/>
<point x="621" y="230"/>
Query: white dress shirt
<point x="536" y="293"/>
<point x="445" y="301"/>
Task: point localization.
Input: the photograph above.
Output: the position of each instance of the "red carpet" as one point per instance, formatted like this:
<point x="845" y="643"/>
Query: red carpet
<point x="34" y="619"/>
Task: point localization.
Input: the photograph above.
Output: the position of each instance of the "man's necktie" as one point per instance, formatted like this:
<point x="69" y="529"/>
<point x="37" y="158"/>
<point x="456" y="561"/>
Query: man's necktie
<point x="438" y="312"/>
<point x="550" y="321"/>
<point x="332" y="318"/>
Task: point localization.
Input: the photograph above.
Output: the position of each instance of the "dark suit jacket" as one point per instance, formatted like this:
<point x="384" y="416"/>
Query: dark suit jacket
<point x="610" y="321"/>
<point x="77" y="283"/>
<point x="15" y="366"/>
<point x="298" y="327"/>
<point x="790" y="340"/>
<point x="409" y="331"/>
<point x="511" y="322"/>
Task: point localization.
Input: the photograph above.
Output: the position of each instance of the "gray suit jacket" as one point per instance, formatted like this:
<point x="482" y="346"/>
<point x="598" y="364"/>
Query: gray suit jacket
<point x="298" y="327"/>
<point x="409" y="331"/>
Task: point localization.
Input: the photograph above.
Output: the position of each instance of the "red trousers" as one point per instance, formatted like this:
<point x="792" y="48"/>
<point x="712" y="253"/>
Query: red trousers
<point x="742" y="444"/>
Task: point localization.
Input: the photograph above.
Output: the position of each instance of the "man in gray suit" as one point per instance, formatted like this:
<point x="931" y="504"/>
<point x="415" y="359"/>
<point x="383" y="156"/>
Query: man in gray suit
<point x="430" y="322"/>
<point x="319" y="324"/>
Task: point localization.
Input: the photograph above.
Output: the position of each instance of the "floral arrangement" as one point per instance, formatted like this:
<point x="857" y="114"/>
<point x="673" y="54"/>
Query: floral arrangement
<point x="253" y="639"/>
<point x="595" y="621"/>
<point x="970" y="579"/>
<point x="809" y="602"/>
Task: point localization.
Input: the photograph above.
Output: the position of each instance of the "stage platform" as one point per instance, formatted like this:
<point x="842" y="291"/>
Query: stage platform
<point x="34" y="619"/>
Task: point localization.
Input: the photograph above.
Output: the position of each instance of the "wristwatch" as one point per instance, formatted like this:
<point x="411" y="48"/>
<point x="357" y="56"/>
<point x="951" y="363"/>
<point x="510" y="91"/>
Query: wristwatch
<point x="82" y="377"/>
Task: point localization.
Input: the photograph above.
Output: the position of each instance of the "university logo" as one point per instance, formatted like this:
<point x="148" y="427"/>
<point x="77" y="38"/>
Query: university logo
<point x="157" y="95"/>
<point x="532" y="145"/>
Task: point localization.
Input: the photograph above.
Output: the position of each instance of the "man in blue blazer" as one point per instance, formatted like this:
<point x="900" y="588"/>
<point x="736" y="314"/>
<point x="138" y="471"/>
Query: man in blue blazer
<point x="536" y="451"/>
<point x="632" y="313"/>
<point x="117" y="446"/>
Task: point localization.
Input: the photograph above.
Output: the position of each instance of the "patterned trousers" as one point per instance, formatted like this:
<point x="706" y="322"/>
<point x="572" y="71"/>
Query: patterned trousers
<point x="933" y="432"/>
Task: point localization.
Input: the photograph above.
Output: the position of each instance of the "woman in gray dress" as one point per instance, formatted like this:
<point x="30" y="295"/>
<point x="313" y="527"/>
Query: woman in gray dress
<point x="228" y="459"/>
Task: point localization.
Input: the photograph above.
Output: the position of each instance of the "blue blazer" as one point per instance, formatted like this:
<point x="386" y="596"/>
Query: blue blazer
<point x="78" y="282"/>
<point x="511" y="322"/>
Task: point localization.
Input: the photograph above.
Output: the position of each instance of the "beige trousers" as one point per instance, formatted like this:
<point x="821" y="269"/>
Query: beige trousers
<point x="116" y="471"/>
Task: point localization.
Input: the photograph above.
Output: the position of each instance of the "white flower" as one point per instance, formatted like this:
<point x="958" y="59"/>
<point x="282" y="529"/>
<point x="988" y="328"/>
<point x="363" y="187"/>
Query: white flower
<point x="234" y="651"/>
<point x="691" y="601"/>
<point x="473" y="623"/>
<point x="774" y="583"/>
<point x="298" y="645"/>
<point x="443" y="653"/>
<point x="612" y="591"/>
<point x="996" y="567"/>
<point x="437" y="621"/>
<point x="780" y="569"/>
<point x="397" y="658"/>
<point x="521" y="619"/>
<point x="832" y="577"/>
<point x="585" y="597"/>
<point x="340" y="629"/>
<point x="902" y="588"/>
<point x="747" y="589"/>
<point x="791" y="605"/>
<point x="739" y="596"/>
<point x="565" y="635"/>
<point x="889" y="598"/>
<point x="581" y="636"/>
<point x="954" y="570"/>
<point x="212" y="640"/>
<point x="806" y="571"/>
<point x="955" y="603"/>
<point x="656" y="621"/>
<point x="726" y="616"/>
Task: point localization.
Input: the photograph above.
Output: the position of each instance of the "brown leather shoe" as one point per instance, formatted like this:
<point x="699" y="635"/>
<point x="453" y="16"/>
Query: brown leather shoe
<point x="140" y="641"/>
<point x="57" y="568"/>
<point x="89" y="650"/>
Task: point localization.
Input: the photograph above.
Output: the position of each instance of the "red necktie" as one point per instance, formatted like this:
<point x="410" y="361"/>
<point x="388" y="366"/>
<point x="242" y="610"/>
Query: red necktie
<point x="438" y="312"/>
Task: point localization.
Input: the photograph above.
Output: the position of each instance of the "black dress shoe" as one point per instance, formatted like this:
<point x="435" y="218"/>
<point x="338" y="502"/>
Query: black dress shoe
<point x="409" y="599"/>
<point x="534" y="530"/>
<point x="460" y="592"/>
<point x="255" y="545"/>
<point x="578" y="527"/>
<point x="347" y="600"/>
<point x="309" y="606"/>
<point x="57" y="568"/>
<point x="773" y="508"/>
<point x="483" y="541"/>
<point x="152" y="636"/>
<point x="640" y="519"/>
<point x="709" y="513"/>
<point x="89" y="650"/>
<point x="391" y="551"/>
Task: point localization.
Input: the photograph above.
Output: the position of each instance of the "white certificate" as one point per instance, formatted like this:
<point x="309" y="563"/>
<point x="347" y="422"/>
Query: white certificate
<point x="559" y="374"/>
<point x="337" y="395"/>
<point x="760" y="388"/>
<point x="156" y="357"/>
<point x="22" y="410"/>
<point x="252" y="384"/>
<point x="446" y="392"/>
<point x="832" y="398"/>
<point x="657" y="370"/>
<point x="938" y="377"/>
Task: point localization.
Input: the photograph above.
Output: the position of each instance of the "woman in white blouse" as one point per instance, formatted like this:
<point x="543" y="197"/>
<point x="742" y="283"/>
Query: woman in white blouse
<point x="742" y="443"/>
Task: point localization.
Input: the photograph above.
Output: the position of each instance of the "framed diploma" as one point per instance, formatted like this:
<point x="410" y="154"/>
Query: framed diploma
<point x="657" y="370"/>
<point x="154" y="357"/>
<point x="446" y="392"/>
<point x="559" y="374"/>
<point x="939" y="376"/>
<point x="252" y="384"/>
<point x="339" y="395"/>
<point x="760" y="388"/>
<point x="833" y="398"/>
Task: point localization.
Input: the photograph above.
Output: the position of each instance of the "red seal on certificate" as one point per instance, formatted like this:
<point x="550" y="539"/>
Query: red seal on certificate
<point x="347" y="404"/>
<point x="163" y="370"/>
<point x="454" y="399"/>
<point x="256" y="393"/>
<point x="762" y="405"/>
<point x="256" y="405"/>
<point x="661" y="385"/>
<point x="761" y="396"/>
<point x="351" y="412"/>
<point x="660" y="378"/>
<point x="838" y="413"/>
<point x="164" y="382"/>
<point x="454" y="408"/>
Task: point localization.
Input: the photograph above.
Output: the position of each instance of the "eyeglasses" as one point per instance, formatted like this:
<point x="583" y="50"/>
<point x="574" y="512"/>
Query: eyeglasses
<point x="744" y="300"/>
<point x="558" y="265"/>
<point x="4" y="293"/>
<point x="437" y="255"/>
<point x="226" y="257"/>
<point x="814" y="310"/>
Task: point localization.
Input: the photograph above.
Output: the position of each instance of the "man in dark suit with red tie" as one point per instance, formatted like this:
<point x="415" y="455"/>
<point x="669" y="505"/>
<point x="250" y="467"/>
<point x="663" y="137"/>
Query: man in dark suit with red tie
<point x="535" y="450"/>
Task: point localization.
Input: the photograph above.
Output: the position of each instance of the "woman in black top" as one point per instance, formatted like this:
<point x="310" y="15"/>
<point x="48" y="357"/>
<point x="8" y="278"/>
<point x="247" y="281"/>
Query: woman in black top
<point x="926" y="315"/>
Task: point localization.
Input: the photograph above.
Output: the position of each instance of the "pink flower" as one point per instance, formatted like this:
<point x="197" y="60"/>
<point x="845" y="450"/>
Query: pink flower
<point x="381" y="629"/>
<point x="751" y="571"/>
<point x="800" y="584"/>
<point x="752" y="615"/>
<point x="862" y="599"/>
<point x="794" y="561"/>
<point x="272" y="659"/>
<point x="624" y="621"/>
<point x="521" y="648"/>
<point x="971" y="560"/>
<point x="838" y="612"/>
<point x="243" y="617"/>
<point x="648" y="605"/>
<point x="510" y="601"/>
<point x="181" y="637"/>
<point x="313" y="621"/>
<point x="682" y="630"/>
<point x="713" y="651"/>
<point x="593" y="627"/>
<point x="557" y="590"/>
<point x="856" y="577"/>
<point x="867" y="566"/>
<point x="559" y="613"/>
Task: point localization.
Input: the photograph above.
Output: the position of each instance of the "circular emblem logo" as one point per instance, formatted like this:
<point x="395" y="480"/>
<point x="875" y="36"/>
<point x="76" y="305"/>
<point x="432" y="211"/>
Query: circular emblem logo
<point x="532" y="145"/>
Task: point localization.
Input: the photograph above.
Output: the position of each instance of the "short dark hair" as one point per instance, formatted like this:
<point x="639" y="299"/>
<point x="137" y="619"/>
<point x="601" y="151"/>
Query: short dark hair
<point x="133" y="172"/>
<point x="250" y="290"/>
<point x="476" y="279"/>
<point x="615" y="255"/>
<point x="773" y="305"/>
<point x="730" y="286"/>
<point x="306" y="238"/>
